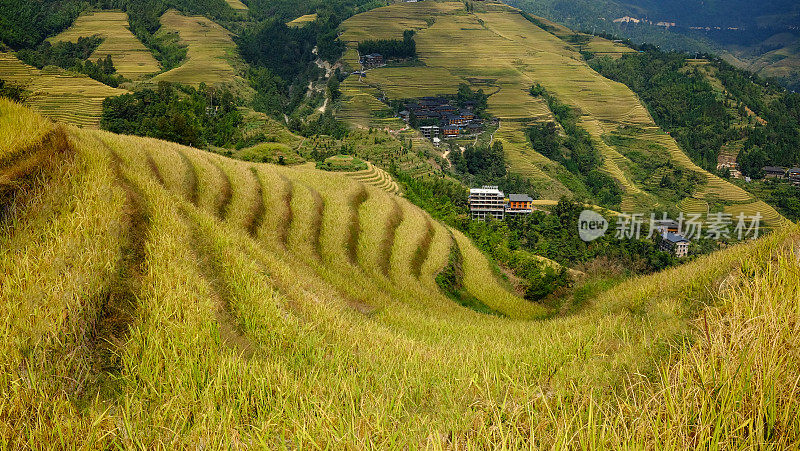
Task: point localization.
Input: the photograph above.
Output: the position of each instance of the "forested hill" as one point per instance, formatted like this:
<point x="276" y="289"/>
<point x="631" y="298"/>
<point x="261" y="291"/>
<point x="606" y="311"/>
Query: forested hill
<point x="760" y="36"/>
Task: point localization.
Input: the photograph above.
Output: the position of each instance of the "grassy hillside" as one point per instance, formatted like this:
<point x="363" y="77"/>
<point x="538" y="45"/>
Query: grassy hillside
<point x="497" y="49"/>
<point x="131" y="58"/>
<point x="157" y="295"/>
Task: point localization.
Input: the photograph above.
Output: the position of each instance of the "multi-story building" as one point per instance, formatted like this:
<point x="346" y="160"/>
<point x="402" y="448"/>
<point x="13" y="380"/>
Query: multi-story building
<point x="486" y="202"/>
<point x="676" y="244"/>
<point x="430" y="131"/>
<point x="519" y="204"/>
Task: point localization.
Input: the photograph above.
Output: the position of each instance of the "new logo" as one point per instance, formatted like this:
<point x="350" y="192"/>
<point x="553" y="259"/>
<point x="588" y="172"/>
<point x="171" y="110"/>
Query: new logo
<point x="591" y="225"/>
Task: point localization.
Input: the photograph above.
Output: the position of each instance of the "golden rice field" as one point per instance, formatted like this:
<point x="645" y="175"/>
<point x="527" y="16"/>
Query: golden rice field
<point x="131" y="58"/>
<point x="376" y="177"/>
<point x="58" y="94"/>
<point x="211" y="56"/>
<point x="237" y="5"/>
<point x="158" y="296"/>
<point x="361" y="108"/>
<point x="302" y="20"/>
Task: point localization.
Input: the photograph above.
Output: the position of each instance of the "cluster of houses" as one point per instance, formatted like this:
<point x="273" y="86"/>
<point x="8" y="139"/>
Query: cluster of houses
<point x="777" y="172"/>
<point x="372" y="60"/>
<point x="490" y="202"/>
<point x="443" y="119"/>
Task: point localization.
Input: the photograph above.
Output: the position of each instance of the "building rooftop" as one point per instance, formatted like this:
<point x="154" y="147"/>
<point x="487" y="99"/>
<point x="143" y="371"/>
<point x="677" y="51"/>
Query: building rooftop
<point x="675" y="238"/>
<point x="520" y="198"/>
<point x="774" y="169"/>
<point x="486" y="190"/>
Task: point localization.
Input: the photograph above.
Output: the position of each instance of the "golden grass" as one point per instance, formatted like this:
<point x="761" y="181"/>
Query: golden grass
<point x="131" y="58"/>
<point x="237" y="5"/>
<point x="23" y="128"/>
<point x="238" y="340"/>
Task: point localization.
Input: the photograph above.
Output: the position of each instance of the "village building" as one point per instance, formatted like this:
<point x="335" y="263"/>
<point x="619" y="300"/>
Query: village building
<point x="451" y="131"/>
<point x="519" y="204"/>
<point x="452" y="121"/>
<point x="794" y="175"/>
<point x="774" y="172"/>
<point x="430" y="131"/>
<point x="675" y="244"/>
<point x="372" y="60"/>
<point x="664" y="226"/>
<point x="486" y="202"/>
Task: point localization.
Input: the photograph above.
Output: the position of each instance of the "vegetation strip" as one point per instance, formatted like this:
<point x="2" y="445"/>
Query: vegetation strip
<point x="422" y="251"/>
<point x="231" y="332"/>
<point x="190" y="178"/>
<point x="286" y="225"/>
<point x="257" y="216"/>
<point x="18" y="174"/>
<point x="117" y="306"/>
<point x="225" y="194"/>
<point x="151" y="163"/>
<point x="316" y="221"/>
<point x="392" y="223"/>
<point x="355" y="224"/>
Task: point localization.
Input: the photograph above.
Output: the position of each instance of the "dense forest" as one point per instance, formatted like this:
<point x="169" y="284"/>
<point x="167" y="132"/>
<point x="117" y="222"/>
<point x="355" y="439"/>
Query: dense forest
<point x="391" y="48"/>
<point x="73" y="56"/>
<point x="182" y="114"/>
<point x="702" y="120"/>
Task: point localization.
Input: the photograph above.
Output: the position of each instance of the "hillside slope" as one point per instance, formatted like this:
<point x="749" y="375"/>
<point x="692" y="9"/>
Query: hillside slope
<point x="496" y="49"/>
<point x="157" y="295"/>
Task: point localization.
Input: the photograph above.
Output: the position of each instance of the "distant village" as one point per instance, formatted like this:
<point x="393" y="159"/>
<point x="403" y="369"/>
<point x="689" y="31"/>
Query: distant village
<point x="437" y="118"/>
<point x="781" y="173"/>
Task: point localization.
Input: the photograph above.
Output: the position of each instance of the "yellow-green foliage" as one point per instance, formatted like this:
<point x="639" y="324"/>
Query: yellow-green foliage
<point x="211" y="56"/>
<point x="21" y="128"/>
<point x="276" y="306"/>
<point x="58" y="94"/>
<point x="131" y="58"/>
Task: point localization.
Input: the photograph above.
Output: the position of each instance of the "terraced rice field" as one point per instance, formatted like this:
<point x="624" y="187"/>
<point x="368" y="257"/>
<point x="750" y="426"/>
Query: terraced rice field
<point x="211" y="55"/>
<point x="362" y="109"/>
<point x="302" y="20"/>
<point x="157" y="295"/>
<point x="59" y="95"/>
<point x="131" y="58"/>
<point x="376" y="177"/>
<point x="529" y="163"/>
<point x="692" y="205"/>
<point x="237" y="5"/>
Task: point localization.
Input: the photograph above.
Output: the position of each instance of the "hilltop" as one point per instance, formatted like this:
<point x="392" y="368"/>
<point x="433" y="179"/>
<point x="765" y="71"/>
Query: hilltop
<point x="758" y="36"/>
